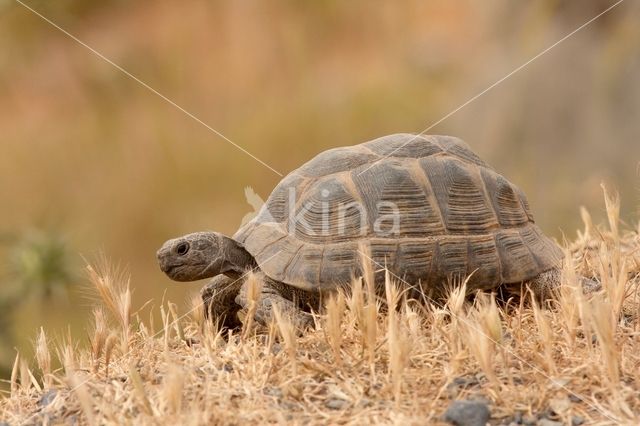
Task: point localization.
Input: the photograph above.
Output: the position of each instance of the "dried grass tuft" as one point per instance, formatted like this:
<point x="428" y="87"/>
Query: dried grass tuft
<point x="99" y="339"/>
<point x="288" y="334"/>
<point x="14" y="376"/>
<point x="397" y="339"/>
<point x="43" y="357"/>
<point x="254" y="288"/>
<point x="335" y="309"/>
<point x="113" y="287"/>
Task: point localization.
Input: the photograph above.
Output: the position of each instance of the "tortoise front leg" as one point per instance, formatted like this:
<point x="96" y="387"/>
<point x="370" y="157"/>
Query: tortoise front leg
<point x="270" y="296"/>
<point x="218" y="297"/>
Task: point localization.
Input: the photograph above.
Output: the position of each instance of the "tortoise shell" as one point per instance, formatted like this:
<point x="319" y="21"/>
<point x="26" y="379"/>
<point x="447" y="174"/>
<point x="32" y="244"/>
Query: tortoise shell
<point x="425" y="207"/>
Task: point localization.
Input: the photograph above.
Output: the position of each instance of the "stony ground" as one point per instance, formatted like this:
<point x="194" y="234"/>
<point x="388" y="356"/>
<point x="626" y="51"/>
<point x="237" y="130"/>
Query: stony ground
<point x="576" y="361"/>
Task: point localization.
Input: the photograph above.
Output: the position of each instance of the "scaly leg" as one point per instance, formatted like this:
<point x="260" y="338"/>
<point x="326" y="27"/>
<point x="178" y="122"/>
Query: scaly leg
<point x="544" y="285"/>
<point x="270" y="296"/>
<point x="219" y="300"/>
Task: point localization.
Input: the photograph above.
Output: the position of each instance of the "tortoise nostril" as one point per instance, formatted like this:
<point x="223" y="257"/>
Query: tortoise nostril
<point x="182" y="249"/>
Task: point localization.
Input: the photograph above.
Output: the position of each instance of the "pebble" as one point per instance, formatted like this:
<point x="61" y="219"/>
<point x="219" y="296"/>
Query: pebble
<point x="577" y="420"/>
<point x="336" y="404"/>
<point x="467" y="413"/>
<point x="276" y="349"/>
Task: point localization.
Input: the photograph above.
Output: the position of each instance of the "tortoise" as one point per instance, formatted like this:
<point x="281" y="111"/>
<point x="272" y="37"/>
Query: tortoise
<point x="425" y="208"/>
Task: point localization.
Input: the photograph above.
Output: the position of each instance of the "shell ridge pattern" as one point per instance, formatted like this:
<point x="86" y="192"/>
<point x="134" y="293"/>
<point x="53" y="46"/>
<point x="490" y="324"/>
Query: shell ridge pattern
<point x="286" y="267"/>
<point x="457" y="215"/>
<point x="268" y="245"/>
<point x="464" y="208"/>
<point x="322" y="251"/>
<point x="328" y="212"/>
<point x="421" y="175"/>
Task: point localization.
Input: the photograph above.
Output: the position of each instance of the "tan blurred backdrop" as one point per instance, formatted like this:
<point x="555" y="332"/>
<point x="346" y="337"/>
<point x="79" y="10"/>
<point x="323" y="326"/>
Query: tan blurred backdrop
<point x="92" y="161"/>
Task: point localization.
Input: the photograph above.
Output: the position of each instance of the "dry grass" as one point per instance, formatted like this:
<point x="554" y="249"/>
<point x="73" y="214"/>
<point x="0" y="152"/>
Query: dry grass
<point x="362" y="363"/>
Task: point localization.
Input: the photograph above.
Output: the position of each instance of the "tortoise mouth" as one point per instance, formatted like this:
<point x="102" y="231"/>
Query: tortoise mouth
<point x="170" y="267"/>
<point x="177" y="272"/>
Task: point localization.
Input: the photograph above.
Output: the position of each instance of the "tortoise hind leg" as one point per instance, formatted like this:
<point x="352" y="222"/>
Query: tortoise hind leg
<point x="273" y="294"/>
<point x="545" y="284"/>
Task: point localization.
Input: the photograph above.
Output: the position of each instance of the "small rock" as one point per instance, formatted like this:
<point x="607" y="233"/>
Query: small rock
<point x="276" y="348"/>
<point x="228" y="367"/>
<point x="529" y="420"/>
<point x="577" y="420"/>
<point x="467" y="413"/>
<point x="547" y="422"/>
<point x="336" y="404"/>
<point x="4" y="424"/>
<point x="46" y="398"/>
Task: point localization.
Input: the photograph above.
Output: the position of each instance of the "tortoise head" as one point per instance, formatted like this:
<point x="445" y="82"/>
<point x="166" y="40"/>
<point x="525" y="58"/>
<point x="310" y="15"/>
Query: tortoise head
<point x="203" y="255"/>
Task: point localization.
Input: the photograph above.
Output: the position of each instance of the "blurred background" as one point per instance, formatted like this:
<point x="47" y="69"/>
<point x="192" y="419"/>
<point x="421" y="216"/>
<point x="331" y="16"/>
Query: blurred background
<point x="91" y="161"/>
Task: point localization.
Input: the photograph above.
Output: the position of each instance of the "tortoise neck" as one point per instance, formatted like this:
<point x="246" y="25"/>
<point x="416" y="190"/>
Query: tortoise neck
<point x="237" y="260"/>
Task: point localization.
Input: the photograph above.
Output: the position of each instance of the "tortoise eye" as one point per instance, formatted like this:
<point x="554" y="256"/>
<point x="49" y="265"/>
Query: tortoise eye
<point x="182" y="249"/>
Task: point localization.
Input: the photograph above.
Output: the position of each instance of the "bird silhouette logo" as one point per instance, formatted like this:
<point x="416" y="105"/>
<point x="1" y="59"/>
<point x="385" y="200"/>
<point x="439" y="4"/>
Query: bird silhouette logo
<point x="255" y="201"/>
